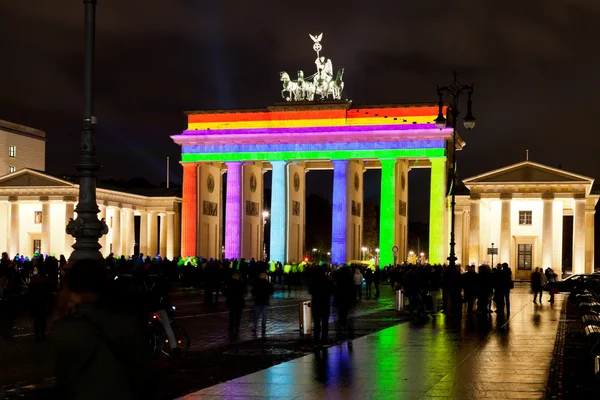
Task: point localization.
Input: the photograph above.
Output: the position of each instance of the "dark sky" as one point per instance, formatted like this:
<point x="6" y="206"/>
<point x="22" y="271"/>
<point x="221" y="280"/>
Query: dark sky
<point x="535" y="65"/>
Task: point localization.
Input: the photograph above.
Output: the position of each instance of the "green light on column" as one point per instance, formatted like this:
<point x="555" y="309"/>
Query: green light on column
<point x="436" y="211"/>
<point x="387" y="216"/>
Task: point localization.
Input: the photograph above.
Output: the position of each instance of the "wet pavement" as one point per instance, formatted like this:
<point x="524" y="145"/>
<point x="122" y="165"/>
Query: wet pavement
<point x="493" y="357"/>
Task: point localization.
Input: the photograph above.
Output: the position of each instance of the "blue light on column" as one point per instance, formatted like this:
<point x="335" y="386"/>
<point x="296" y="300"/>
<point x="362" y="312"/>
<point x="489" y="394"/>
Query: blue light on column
<point x="340" y="212"/>
<point x="278" y="206"/>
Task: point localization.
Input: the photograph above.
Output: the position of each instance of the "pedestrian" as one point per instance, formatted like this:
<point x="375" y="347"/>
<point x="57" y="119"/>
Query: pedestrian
<point x="100" y="350"/>
<point x="377" y="280"/>
<point x="235" y="303"/>
<point x="469" y="280"/>
<point x="551" y="276"/>
<point x="262" y="292"/>
<point x="368" y="281"/>
<point x="358" y="282"/>
<point x="504" y="285"/>
<point x="536" y="284"/>
<point x="435" y="284"/>
<point x="40" y="298"/>
<point x="321" y="289"/>
<point x="343" y="298"/>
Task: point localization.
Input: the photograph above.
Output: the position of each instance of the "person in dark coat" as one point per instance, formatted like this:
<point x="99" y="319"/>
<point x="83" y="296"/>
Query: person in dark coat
<point x="262" y="292"/>
<point x="100" y="350"/>
<point x="377" y="280"/>
<point x="40" y="298"/>
<point x="235" y="302"/>
<point x="536" y="284"/>
<point x="321" y="289"/>
<point x="343" y="297"/>
<point x="470" y="280"/>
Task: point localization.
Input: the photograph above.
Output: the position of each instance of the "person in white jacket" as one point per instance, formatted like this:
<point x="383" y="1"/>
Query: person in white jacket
<point x="358" y="282"/>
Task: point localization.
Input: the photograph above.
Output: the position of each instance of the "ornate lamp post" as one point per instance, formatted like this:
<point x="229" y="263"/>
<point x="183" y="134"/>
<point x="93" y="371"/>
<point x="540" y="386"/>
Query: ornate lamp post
<point x="86" y="228"/>
<point x="453" y="92"/>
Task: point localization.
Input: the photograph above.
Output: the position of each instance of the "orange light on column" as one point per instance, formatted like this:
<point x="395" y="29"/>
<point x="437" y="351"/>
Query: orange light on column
<point x="188" y="212"/>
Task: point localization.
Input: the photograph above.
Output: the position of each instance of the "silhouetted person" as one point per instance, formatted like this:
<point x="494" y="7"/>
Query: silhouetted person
<point x="470" y="287"/>
<point x="377" y="280"/>
<point x="343" y="297"/>
<point x="321" y="289"/>
<point x="40" y="298"/>
<point x="235" y="302"/>
<point x="262" y="292"/>
<point x="536" y="284"/>
<point x="101" y="352"/>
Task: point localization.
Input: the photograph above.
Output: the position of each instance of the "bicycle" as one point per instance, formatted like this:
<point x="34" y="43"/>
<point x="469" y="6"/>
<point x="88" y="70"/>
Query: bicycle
<point x="158" y="340"/>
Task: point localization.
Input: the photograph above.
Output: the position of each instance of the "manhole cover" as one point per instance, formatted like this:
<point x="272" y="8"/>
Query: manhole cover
<point x="260" y="352"/>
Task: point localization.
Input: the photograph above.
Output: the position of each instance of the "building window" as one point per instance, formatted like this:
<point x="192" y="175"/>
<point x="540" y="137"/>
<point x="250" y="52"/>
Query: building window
<point x="37" y="217"/>
<point x="12" y="151"/>
<point x="11" y="169"/>
<point x="524" y="217"/>
<point x="525" y="251"/>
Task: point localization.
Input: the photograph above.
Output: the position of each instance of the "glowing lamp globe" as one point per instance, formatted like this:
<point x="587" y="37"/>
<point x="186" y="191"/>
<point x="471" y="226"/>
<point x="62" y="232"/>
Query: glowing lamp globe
<point x="440" y="122"/>
<point x="469" y="121"/>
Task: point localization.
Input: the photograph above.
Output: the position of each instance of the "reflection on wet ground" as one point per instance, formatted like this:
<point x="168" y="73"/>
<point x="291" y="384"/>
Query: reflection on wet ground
<point x="490" y="357"/>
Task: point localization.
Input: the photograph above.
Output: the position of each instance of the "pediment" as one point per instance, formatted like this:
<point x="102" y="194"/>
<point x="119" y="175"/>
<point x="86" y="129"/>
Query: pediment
<point x="527" y="172"/>
<point x="27" y="177"/>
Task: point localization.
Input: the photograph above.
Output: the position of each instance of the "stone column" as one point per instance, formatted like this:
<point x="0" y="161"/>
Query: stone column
<point x="153" y="234"/>
<point x="278" y="212"/>
<point x="189" y="213"/>
<point x="579" y="236"/>
<point x="505" y="232"/>
<point x="387" y="216"/>
<point x="116" y="232"/>
<point x="170" y="235"/>
<point x="130" y="239"/>
<point x="547" y="228"/>
<point x="102" y="241"/>
<point x="46" y="227"/>
<point x="233" y="212"/>
<point x="14" y="231"/>
<point x="339" y="226"/>
<point x="458" y="236"/>
<point x="69" y="240"/>
<point x="475" y="208"/>
<point x="436" y="211"/>
<point x="144" y="232"/>
<point x="589" y="239"/>
<point x="163" y="236"/>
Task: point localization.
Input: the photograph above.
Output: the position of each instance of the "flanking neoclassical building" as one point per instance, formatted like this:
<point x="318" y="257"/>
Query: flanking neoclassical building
<point x="35" y="208"/>
<point x="520" y="209"/>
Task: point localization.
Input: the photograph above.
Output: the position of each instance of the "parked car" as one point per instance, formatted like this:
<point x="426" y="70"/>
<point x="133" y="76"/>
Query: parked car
<point x="579" y="282"/>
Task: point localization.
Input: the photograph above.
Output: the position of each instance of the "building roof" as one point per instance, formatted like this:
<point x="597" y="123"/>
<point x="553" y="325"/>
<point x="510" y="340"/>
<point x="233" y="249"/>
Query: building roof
<point x="22" y="130"/>
<point x="527" y="172"/>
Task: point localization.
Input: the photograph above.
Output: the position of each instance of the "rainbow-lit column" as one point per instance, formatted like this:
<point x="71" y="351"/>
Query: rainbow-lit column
<point x="436" y="210"/>
<point x="278" y="211"/>
<point x="339" y="226"/>
<point x="233" y="210"/>
<point x="188" y="213"/>
<point x="387" y="216"/>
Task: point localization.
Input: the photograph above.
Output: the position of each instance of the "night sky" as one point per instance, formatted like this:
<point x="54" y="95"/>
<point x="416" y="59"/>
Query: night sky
<point x="534" y="65"/>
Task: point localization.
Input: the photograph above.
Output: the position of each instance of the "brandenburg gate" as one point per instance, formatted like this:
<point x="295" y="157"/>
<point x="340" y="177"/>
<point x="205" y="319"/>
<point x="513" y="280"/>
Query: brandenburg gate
<point x="296" y="136"/>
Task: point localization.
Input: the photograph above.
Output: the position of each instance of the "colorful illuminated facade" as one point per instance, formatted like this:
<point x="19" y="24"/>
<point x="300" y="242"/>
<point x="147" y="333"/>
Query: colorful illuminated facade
<point x="520" y="209"/>
<point x="291" y="139"/>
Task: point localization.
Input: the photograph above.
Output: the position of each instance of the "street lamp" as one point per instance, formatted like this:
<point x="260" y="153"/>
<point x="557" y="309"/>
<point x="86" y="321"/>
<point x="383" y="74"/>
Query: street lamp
<point x="377" y="252"/>
<point x="265" y="215"/>
<point x="87" y="228"/>
<point x="453" y="92"/>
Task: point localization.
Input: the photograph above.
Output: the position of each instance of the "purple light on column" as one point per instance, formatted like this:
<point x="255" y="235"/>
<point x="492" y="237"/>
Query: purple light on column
<point x="232" y="210"/>
<point x="339" y="220"/>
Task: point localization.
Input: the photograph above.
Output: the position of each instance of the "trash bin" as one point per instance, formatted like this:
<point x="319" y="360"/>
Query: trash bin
<point x="399" y="300"/>
<point x="305" y="318"/>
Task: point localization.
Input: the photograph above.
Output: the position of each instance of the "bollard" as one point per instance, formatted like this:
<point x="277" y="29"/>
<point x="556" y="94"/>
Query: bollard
<point x="305" y="318"/>
<point x="399" y="300"/>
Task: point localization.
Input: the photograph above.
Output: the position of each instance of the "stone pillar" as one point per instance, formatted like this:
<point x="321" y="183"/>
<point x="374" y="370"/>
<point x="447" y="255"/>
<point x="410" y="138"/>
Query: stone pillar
<point x="153" y="234"/>
<point x="130" y="232"/>
<point x="436" y="211"/>
<point x="46" y="227"/>
<point x="144" y="232"/>
<point x="505" y="232"/>
<point x="69" y="214"/>
<point x="233" y="215"/>
<point x="547" y="229"/>
<point x="116" y="232"/>
<point x="387" y="216"/>
<point x="474" y="244"/>
<point x="458" y="235"/>
<point x="579" y="236"/>
<point x="339" y="226"/>
<point x="163" y="236"/>
<point x="278" y="212"/>
<point x="102" y="214"/>
<point x="589" y="238"/>
<point x="14" y="231"/>
<point x="170" y="235"/>
<point x="189" y="213"/>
